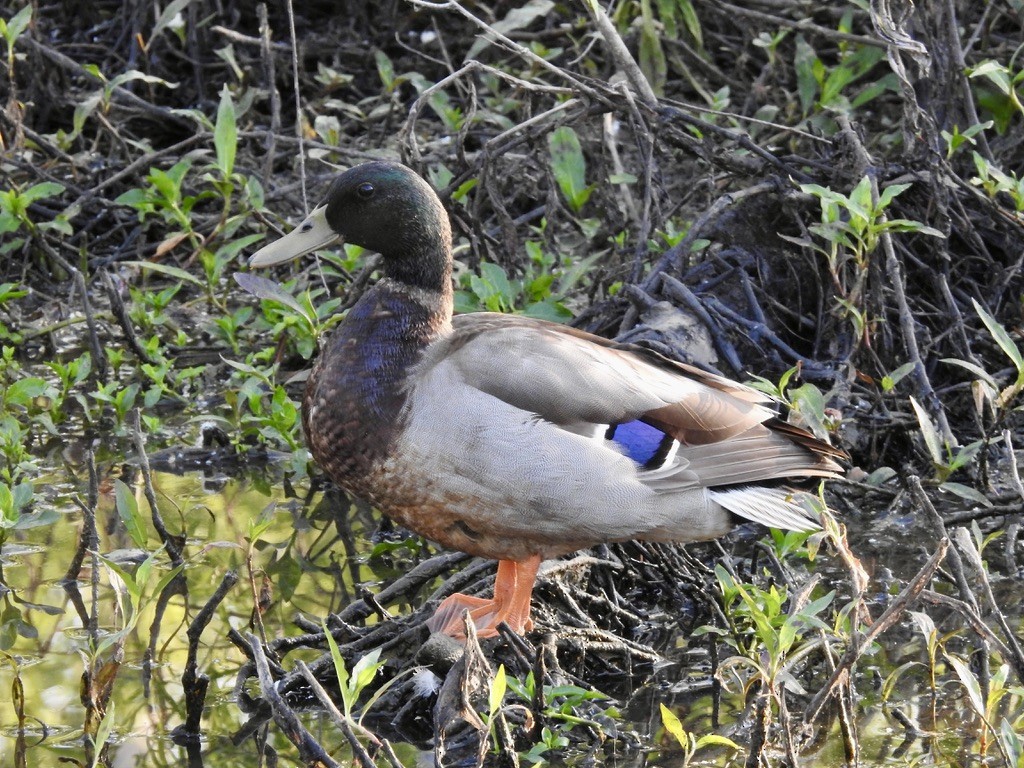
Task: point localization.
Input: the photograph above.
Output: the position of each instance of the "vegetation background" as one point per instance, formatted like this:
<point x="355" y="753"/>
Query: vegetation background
<point x="824" y="197"/>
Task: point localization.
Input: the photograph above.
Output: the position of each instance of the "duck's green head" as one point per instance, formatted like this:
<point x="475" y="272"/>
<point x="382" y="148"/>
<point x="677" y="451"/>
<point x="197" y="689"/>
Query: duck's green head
<point x="384" y="207"/>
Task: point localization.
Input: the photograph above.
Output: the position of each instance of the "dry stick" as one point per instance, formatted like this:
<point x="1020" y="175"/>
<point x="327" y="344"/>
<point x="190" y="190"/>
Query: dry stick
<point x="803" y="25"/>
<point x="194" y="682"/>
<point x="935" y="520"/>
<point x="966" y="100"/>
<point x="270" y="77"/>
<point x="99" y="357"/>
<point x="899" y="41"/>
<point x="310" y="750"/>
<point x="673" y="257"/>
<point x="120" y="313"/>
<point x="611" y="144"/>
<point x="965" y="543"/>
<point x="173" y="550"/>
<point x="621" y="54"/>
<point x="894" y="272"/>
<point x="502" y="40"/>
<point x="89" y="540"/>
<point x="346" y="725"/>
<point x="680" y="292"/>
<point x="1013" y="526"/>
<point x="859" y="643"/>
<point x="358" y="609"/>
<point x="298" y="104"/>
<point x="175" y="150"/>
<point x="971" y="615"/>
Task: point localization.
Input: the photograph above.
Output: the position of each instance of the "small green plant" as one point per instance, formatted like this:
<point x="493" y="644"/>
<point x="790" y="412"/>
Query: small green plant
<point x="99" y="102"/>
<point x="495" y="697"/>
<point x="539" y="293"/>
<point x="128" y="510"/>
<point x="120" y="398"/>
<point x="230" y="325"/>
<point x="352" y="683"/>
<point x="891" y="379"/>
<point x="165" y="197"/>
<point x="690" y="743"/>
<point x="947" y="458"/>
<point x="69" y="375"/>
<point x="26" y="407"/>
<point x="14" y="514"/>
<point x="826" y="88"/>
<point x="14" y="214"/>
<point x="848" y="234"/>
<point x="805" y="401"/>
<point x="994" y="181"/>
<point x="956" y="139"/>
<point x="767" y="637"/>
<point x="987" y="708"/>
<point x="569" y="167"/>
<point x="11" y="29"/>
<point x="565" y="708"/>
<point x="999" y="397"/>
<point x="1004" y="104"/>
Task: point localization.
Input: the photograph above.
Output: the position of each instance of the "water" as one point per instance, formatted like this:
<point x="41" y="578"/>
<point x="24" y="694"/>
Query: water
<point x="314" y="557"/>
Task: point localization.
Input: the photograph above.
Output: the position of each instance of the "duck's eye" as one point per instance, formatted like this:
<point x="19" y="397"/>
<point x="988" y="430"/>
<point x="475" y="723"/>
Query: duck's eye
<point x="365" y="190"/>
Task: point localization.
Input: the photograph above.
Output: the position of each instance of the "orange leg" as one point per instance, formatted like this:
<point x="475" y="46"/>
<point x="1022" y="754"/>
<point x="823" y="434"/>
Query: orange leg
<point x="510" y="604"/>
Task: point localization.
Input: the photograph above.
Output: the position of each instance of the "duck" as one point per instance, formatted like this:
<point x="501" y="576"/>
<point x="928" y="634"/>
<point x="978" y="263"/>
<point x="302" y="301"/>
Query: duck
<point x="519" y="439"/>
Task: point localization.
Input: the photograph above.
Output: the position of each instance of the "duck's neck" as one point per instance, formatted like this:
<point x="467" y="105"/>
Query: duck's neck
<point x="421" y="256"/>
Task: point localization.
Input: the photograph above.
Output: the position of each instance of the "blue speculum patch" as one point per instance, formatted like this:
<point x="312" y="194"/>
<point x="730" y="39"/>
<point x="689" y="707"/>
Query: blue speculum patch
<point x="644" y="444"/>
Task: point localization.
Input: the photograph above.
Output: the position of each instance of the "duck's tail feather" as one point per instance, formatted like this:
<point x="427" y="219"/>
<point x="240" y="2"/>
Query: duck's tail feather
<point x="780" y="507"/>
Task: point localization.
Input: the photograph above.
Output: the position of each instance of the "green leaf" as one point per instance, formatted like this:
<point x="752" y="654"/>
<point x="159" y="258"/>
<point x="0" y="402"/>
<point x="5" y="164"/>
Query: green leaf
<point x="714" y="740"/>
<point x="340" y="671"/>
<point x="929" y="433"/>
<point x="691" y="21"/>
<point x="365" y="670"/>
<point x="385" y="69"/>
<point x="1001" y="336"/>
<point x="970" y="683"/>
<point x="889" y="381"/>
<point x="978" y="371"/>
<point x="966" y="492"/>
<point x="995" y="73"/>
<point x="103" y="731"/>
<point x="134" y="74"/>
<point x="21" y="495"/>
<point x="128" y="511"/>
<point x="497" y="693"/>
<point x="804" y="60"/>
<point x="652" y="57"/>
<point x="889" y="193"/>
<point x="229" y="250"/>
<point x="167" y="17"/>
<point x="262" y="288"/>
<point x="674" y="726"/>
<point x="225" y="134"/>
<point x="569" y="166"/>
<point x="40" y="191"/>
<point x="23" y="391"/>
<point x="18" y="24"/>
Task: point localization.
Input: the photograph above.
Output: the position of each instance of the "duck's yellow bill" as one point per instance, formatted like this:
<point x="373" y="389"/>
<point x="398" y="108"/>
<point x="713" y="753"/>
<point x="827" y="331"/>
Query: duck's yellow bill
<point x="312" y="234"/>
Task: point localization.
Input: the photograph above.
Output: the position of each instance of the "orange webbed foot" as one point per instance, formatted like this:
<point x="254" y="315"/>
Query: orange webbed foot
<point x="513" y="587"/>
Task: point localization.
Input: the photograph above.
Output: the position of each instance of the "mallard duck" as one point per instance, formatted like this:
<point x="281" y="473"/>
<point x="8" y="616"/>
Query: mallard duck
<point x="518" y="439"/>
